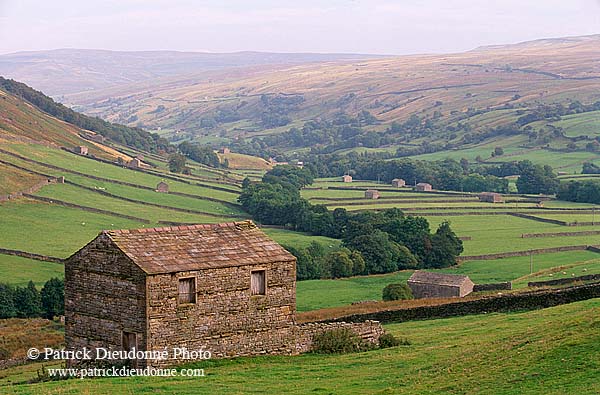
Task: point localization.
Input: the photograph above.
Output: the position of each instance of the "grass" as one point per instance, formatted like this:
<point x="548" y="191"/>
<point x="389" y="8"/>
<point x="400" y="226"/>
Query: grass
<point x="319" y="294"/>
<point x="52" y="230"/>
<point x="88" y="166"/>
<point x="17" y="335"/>
<point x="73" y="194"/>
<point x="17" y="270"/>
<point x="13" y="180"/>
<point x="241" y="161"/>
<point x="571" y="270"/>
<point x="164" y="199"/>
<point x="502" y="233"/>
<point x="518" y="353"/>
<point x="298" y="239"/>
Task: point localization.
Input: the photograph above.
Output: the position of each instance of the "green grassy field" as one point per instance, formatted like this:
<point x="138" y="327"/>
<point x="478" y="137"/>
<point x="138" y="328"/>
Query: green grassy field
<point x="19" y="271"/>
<point x="52" y="230"/>
<point x="584" y="124"/>
<point x="76" y="195"/>
<point x="88" y="166"/>
<point x="499" y="233"/>
<point x="297" y="239"/>
<point x="517" y="353"/>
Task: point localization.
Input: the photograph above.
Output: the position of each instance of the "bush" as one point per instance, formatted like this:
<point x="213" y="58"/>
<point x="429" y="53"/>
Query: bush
<point x="339" y="341"/>
<point x="397" y="292"/>
<point x="388" y="340"/>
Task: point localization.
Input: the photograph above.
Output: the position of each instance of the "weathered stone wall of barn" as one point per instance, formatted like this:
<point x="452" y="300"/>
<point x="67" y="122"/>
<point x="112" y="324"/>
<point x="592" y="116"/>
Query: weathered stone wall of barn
<point x="105" y="294"/>
<point x="369" y="331"/>
<point x="226" y="319"/>
<point x="433" y="291"/>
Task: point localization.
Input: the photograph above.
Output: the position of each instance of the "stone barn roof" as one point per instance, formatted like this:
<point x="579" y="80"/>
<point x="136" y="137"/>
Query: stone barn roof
<point x="195" y="247"/>
<point x="453" y="280"/>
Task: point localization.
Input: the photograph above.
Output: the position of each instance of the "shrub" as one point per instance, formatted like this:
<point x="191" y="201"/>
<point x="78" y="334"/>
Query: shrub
<point x="397" y="292"/>
<point x="388" y="340"/>
<point x="339" y="341"/>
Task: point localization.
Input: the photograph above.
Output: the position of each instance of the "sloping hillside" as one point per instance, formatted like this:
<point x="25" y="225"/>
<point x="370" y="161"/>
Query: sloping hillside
<point x="391" y="89"/>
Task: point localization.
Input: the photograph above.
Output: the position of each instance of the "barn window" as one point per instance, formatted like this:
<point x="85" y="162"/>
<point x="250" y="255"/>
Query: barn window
<point x="129" y="341"/>
<point x="187" y="290"/>
<point x="257" y="282"/>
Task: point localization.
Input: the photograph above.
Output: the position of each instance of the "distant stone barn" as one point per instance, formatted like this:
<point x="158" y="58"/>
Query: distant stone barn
<point x="162" y="187"/>
<point x="438" y="285"/>
<point x="135" y="163"/>
<point x="398" y="183"/>
<point x="81" y="150"/>
<point x="491" y="197"/>
<point x="347" y="178"/>
<point x="372" y="194"/>
<point x="423" y="187"/>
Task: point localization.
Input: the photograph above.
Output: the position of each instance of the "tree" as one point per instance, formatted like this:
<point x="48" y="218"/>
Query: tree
<point x="358" y="263"/>
<point x="28" y="301"/>
<point x="464" y="164"/>
<point x="307" y="268"/>
<point x="53" y="298"/>
<point x="176" y="163"/>
<point x="379" y="252"/>
<point x="536" y="179"/>
<point x="396" y="292"/>
<point x="406" y="260"/>
<point x="445" y="248"/>
<point x="498" y="151"/>
<point x="7" y="305"/>
<point x="339" y="263"/>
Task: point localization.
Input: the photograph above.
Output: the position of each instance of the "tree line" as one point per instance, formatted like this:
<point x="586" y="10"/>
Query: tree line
<point x="385" y="241"/>
<point x="29" y="302"/>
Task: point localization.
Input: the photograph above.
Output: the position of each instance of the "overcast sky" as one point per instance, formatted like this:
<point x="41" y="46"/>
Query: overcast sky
<point x="358" y="26"/>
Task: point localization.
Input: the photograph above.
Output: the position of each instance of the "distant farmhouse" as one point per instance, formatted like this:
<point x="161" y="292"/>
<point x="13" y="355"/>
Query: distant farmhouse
<point x="347" y="178"/>
<point x="423" y="187"/>
<point x="81" y="150"/>
<point x="491" y="197"/>
<point x="135" y="163"/>
<point x="437" y="285"/>
<point x="398" y="183"/>
<point x="226" y="288"/>
<point x="372" y="194"/>
<point x="224" y="150"/>
<point x="162" y="187"/>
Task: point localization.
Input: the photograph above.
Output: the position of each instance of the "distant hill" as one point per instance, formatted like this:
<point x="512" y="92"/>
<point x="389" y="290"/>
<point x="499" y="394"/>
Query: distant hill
<point x="134" y="137"/>
<point x="452" y="101"/>
<point x="390" y="89"/>
<point x="64" y="71"/>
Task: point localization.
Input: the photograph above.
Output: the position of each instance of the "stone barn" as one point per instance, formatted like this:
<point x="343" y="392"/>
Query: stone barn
<point x="423" y="187"/>
<point x="372" y="194"/>
<point x="437" y="285"/>
<point x="162" y="187"/>
<point x="347" y="178"/>
<point x="398" y="183"/>
<point x="224" y="150"/>
<point x="226" y="288"/>
<point x="491" y="197"/>
<point x="81" y="150"/>
<point x="135" y="163"/>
